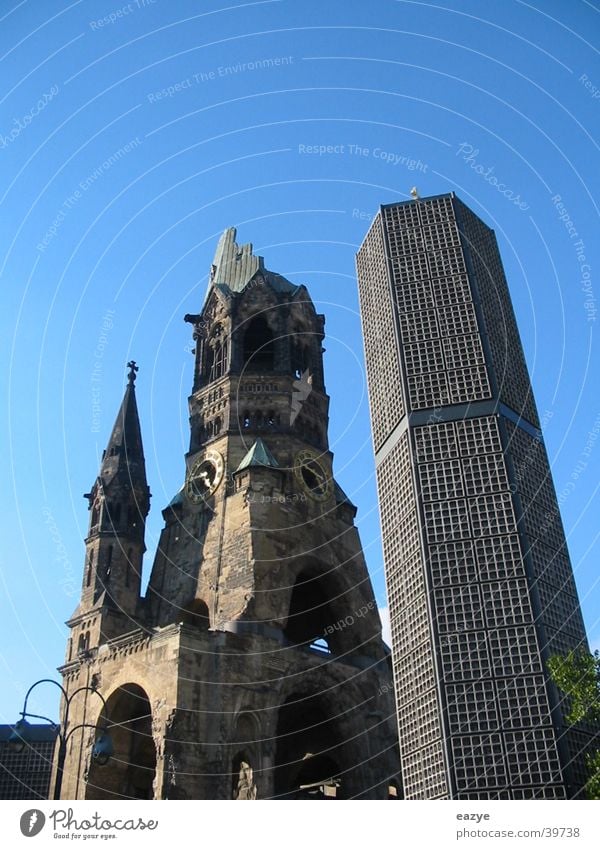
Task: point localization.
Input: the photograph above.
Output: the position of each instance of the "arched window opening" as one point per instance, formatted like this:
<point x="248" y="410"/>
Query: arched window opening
<point x="95" y="513"/>
<point x="310" y="621"/>
<point x="259" y="347"/>
<point x="246" y="420"/>
<point x="130" y="774"/>
<point x="308" y="757"/>
<point x="218" y="365"/>
<point x="218" y="425"/>
<point x="271" y="420"/>
<point x="196" y="613"/>
<point x="300" y="355"/>
<point x="258" y="418"/>
<point x="88" y="576"/>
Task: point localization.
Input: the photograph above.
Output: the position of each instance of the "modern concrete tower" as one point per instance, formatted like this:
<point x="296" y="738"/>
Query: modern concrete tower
<point x="480" y="585"/>
<point x="253" y="665"/>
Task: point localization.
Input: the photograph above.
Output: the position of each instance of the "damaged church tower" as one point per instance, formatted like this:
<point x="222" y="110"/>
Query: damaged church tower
<point x="253" y="667"/>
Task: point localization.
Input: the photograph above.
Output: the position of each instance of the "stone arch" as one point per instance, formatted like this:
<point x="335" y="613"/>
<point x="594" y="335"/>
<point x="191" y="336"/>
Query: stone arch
<point x="259" y="345"/>
<point x="131" y="769"/>
<point x="244" y="748"/>
<point x="310" y="619"/>
<point x="196" y="613"/>
<point x="309" y="758"/>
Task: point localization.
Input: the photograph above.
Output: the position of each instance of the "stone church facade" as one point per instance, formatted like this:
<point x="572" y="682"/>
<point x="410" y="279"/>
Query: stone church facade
<point x="253" y="665"/>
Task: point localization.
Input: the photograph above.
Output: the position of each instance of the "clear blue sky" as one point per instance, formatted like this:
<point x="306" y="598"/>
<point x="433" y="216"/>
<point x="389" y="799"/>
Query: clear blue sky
<point x="132" y="134"/>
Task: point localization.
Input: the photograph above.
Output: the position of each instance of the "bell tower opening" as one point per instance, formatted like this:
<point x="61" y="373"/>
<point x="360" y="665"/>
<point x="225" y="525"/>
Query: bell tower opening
<point x="259" y="347"/>
<point x="307" y="764"/>
<point x="310" y="619"/>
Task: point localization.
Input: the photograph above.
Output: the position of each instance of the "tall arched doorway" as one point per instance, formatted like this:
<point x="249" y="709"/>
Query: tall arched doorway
<point x="308" y="759"/>
<point x="129" y="773"/>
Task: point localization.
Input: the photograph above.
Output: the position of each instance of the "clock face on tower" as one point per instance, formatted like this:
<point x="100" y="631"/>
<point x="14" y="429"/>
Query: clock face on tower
<point x="204" y="476"/>
<point x="312" y="474"/>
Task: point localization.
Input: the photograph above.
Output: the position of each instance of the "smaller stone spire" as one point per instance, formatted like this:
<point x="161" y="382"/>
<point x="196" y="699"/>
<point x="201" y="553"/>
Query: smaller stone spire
<point x="125" y="453"/>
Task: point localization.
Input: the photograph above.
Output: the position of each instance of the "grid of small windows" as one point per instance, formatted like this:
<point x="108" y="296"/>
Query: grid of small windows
<point x="414" y="675"/>
<point x="552" y="566"/>
<point x="458" y="608"/>
<point x="580" y="744"/>
<point x="457" y="320"/>
<point x="514" y="651"/>
<point x="461" y="351"/>
<point x="451" y="290"/>
<point x="424" y="357"/>
<point x="410" y="627"/>
<point x="381" y="348"/>
<point x="552" y="792"/>
<point x="446" y="520"/>
<point x="502" y="332"/>
<point x="471" y="707"/>
<point x="523" y="702"/>
<point x="485" y="473"/>
<point x="546" y="527"/>
<point x="401" y="216"/>
<point x="435" y="442"/>
<point x="415" y="297"/>
<point x="470" y="384"/>
<point x="447" y="263"/>
<point x="465" y="656"/>
<point x="406" y="241"/>
<point x="479" y="761"/>
<point x="506" y="603"/>
<point x="492" y="514"/>
<point x="405" y="584"/>
<point x="423" y="773"/>
<point x="479" y="436"/>
<point x="441" y="237"/>
<point x="559" y="609"/>
<point x="441" y="480"/>
<point x="532" y="756"/>
<point x="486" y="794"/>
<point x="428" y="390"/>
<point x="395" y="485"/>
<point x="26" y="774"/>
<point x="499" y="557"/>
<point x="436" y="210"/>
<point x="562" y="642"/>
<point x="418" y="326"/>
<point x="410" y="268"/>
<point x="452" y="563"/>
<point x="419" y="721"/>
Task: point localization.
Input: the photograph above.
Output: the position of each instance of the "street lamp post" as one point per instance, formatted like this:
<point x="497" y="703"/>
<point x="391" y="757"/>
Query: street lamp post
<point x="101" y="751"/>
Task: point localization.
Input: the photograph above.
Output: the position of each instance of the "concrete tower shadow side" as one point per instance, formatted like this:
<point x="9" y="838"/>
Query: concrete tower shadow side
<point x="480" y="585"/>
<point x="254" y="665"/>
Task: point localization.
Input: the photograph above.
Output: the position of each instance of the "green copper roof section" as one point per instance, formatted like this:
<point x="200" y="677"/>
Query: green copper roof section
<point x="234" y="266"/>
<point x="259" y="455"/>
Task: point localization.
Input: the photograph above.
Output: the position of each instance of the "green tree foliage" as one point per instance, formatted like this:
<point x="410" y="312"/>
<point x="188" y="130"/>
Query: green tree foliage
<point x="577" y="675"/>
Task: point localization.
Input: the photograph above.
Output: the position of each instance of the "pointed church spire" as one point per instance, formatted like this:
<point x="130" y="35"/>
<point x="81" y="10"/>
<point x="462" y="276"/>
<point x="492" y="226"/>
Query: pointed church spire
<point x="124" y="454"/>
